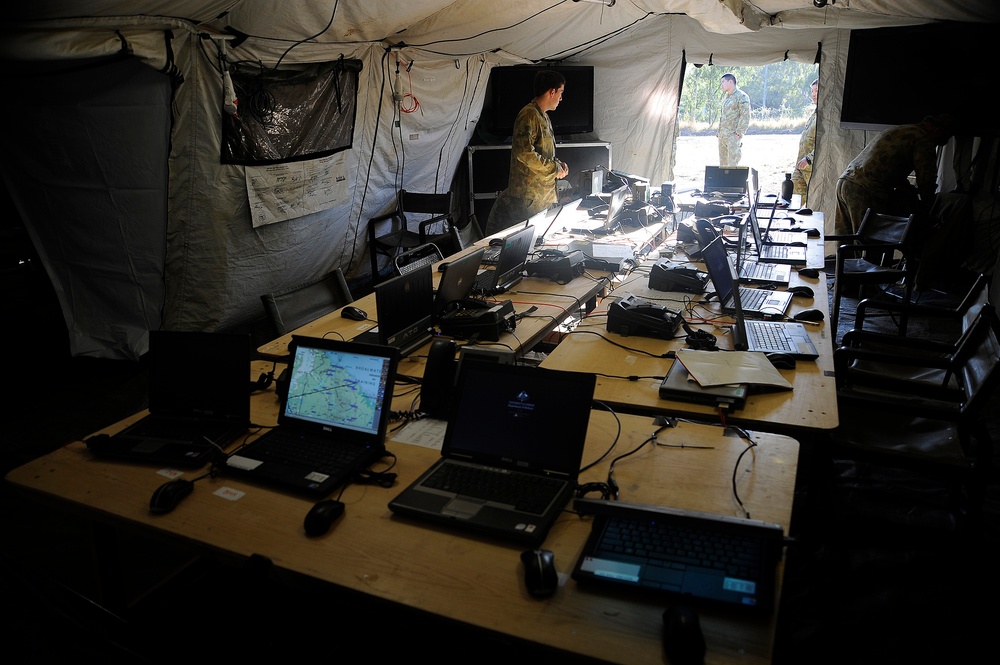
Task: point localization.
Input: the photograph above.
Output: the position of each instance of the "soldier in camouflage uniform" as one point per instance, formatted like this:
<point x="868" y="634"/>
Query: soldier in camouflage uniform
<point x="878" y="178"/>
<point x="534" y="168"/>
<point x="734" y="120"/>
<point x="807" y="147"/>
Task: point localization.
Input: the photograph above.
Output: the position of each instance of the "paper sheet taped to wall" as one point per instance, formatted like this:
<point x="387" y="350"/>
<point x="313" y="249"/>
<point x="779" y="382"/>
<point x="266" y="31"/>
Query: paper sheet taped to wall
<point x="279" y="192"/>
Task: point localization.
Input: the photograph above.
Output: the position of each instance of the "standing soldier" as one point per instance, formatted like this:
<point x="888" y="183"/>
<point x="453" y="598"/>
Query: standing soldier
<point x="734" y="120"/>
<point x="807" y="147"/>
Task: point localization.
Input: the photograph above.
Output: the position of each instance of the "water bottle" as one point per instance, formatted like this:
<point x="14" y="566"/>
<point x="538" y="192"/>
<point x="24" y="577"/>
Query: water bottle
<point x="786" y="187"/>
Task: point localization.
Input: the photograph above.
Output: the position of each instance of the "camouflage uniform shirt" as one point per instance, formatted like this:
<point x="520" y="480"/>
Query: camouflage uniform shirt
<point x="734" y="118"/>
<point x="531" y="187"/>
<point x="807" y="146"/>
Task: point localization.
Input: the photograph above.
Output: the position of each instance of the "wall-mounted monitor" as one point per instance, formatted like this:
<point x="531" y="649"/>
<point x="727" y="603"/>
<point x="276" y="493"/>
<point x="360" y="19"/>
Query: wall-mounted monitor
<point x="899" y="75"/>
<point x="510" y="88"/>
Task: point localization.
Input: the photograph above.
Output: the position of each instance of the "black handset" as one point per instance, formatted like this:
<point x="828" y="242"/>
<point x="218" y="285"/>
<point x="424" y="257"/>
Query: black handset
<point x="439" y="378"/>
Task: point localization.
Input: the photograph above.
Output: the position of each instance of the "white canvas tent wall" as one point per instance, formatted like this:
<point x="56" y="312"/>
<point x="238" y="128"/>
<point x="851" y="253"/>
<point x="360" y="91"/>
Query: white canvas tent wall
<point x="214" y="264"/>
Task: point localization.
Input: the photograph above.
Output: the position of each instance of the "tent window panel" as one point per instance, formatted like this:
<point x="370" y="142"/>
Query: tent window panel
<point x="290" y="114"/>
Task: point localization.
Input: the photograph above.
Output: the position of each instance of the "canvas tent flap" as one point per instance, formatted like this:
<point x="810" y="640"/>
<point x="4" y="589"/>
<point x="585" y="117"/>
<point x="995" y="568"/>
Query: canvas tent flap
<point x="213" y="264"/>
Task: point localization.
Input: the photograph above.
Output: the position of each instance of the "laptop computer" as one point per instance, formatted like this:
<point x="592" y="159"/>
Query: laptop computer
<point x="787" y="337"/>
<point x="523" y="425"/>
<point x="757" y="303"/>
<point x="405" y="317"/>
<point x="730" y="561"/>
<point x="729" y="181"/>
<point x="770" y="253"/>
<point x="604" y="219"/>
<point x="772" y="236"/>
<point x="679" y="385"/>
<point x="199" y="400"/>
<point x="755" y="272"/>
<point x="331" y="424"/>
<point x="457" y="279"/>
<point x="507" y="272"/>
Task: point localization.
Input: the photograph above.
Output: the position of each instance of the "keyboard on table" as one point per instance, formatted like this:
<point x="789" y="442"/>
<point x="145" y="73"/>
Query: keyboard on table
<point x="322" y="455"/>
<point x="524" y="491"/>
<point x="771" y="335"/>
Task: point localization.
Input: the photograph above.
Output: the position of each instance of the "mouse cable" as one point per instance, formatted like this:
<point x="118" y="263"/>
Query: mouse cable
<point x="385" y="478"/>
<point x="750" y="446"/>
<point x="612" y="483"/>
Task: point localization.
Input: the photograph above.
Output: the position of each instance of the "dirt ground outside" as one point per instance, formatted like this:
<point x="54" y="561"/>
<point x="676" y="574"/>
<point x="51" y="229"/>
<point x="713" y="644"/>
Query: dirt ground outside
<point x="773" y="155"/>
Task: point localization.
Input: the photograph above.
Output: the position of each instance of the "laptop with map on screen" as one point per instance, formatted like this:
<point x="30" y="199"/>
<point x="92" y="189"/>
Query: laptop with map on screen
<point x="332" y="422"/>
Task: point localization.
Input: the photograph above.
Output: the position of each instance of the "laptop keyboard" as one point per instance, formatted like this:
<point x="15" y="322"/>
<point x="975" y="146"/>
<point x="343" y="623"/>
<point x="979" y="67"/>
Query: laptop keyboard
<point x="753" y="299"/>
<point x="764" y="271"/>
<point x="526" y="492"/>
<point x="768" y="335"/>
<point x="282" y="446"/>
<point x="669" y="549"/>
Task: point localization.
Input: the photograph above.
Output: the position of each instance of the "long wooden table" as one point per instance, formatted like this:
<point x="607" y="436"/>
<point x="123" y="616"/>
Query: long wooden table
<point x="458" y="576"/>
<point x="810" y="406"/>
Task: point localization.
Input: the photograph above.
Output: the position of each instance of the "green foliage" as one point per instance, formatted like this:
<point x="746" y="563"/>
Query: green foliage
<point x="779" y="94"/>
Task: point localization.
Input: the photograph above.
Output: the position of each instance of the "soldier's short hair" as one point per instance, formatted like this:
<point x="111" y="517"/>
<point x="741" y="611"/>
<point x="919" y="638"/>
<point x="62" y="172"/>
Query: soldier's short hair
<point x="731" y="77"/>
<point x="548" y="79"/>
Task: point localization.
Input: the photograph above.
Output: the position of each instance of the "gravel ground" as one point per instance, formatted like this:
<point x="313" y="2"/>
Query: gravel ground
<point x="773" y="155"/>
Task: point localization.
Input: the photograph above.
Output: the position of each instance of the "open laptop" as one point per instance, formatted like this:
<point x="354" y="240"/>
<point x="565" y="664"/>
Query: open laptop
<point x="404" y="305"/>
<point x="770" y="336"/>
<point x="771" y="235"/>
<point x="729" y="181"/>
<point x="457" y="280"/>
<point x="523" y="425"/>
<point x="757" y="303"/>
<point x="771" y="253"/>
<point x="199" y="400"/>
<point x="755" y="272"/>
<point x="331" y="424"/>
<point x="494" y="280"/>
<point x="604" y="219"/>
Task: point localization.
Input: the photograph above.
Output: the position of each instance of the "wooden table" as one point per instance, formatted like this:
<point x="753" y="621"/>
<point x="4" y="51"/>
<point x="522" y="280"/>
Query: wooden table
<point x="810" y="406"/>
<point x="465" y="578"/>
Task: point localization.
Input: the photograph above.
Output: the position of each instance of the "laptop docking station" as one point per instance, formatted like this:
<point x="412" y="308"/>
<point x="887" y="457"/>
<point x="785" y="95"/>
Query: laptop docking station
<point x="667" y="275"/>
<point x="486" y="323"/>
<point x="637" y="316"/>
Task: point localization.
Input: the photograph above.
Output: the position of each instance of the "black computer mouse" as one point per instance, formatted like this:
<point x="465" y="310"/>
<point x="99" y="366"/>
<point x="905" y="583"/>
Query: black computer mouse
<point x="804" y="211"/>
<point x="809" y="272"/>
<point x="781" y="360"/>
<point x="321" y="517"/>
<point x="801" y="290"/>
<point x="168" y="495"/>
<point x="809" y="315"/>
<point x="540" y="576"/>
<point x="683" y="641"/>
<point x="813" y="232"/>
<point x="356" y="313"/>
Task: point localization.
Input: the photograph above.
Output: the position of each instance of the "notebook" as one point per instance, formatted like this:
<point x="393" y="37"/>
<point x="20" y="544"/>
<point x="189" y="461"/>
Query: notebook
<point x="604" y="218"/>
<point x="404" y="305"/>
<point x="332" y="422"/>
<point x="457" y="280"/>
<point x="756" y="303"/>
<point x="770" y="336"/>
<point x="661" y="550"/>
<point x="679" y="385"/>
<point x="526" y="425"/>
<point x="199" y="400"/>
<point x="772" y="236"/>
<point x="769" y="253"/>
<point x="508" y="271"/>
<point x="754" y="272"/>
<point x="728" y="180"/>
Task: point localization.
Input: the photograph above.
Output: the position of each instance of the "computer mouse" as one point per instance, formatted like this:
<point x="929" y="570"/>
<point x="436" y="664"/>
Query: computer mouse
<point x="683" y="641"/>
<point x="168" y="495"/>
<point x="809" y="315"/>
<point x="781" y="360"/>
<point x="321" y="517"/>
<point x="802" y="290"/>
<point x="804" y="211"/>
<point x="540" y="576"/>
<point x="813" y="232"/>
<point x="798" y="244"/>
<point x="356" y="313"/>
<point x="809" y="272"/>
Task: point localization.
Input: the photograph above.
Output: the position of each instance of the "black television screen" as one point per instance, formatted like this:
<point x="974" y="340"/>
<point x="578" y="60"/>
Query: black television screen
<point x="896" y="76"/>
<point x="512" y="87"/>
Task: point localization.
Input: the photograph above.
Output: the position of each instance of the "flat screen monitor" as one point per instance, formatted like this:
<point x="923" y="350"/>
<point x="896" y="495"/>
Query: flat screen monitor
<point x="513" y="87"/>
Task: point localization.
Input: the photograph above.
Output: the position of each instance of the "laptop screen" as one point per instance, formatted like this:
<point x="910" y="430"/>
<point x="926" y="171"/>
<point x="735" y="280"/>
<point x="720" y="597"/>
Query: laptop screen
<point x="338" y="386"/>
<point x="515" y="252"/>
<point x="457" y="279"/>
<point x="404" y="305"/>
<point x="521" y="417"/>
<point x="719" y="269"/>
